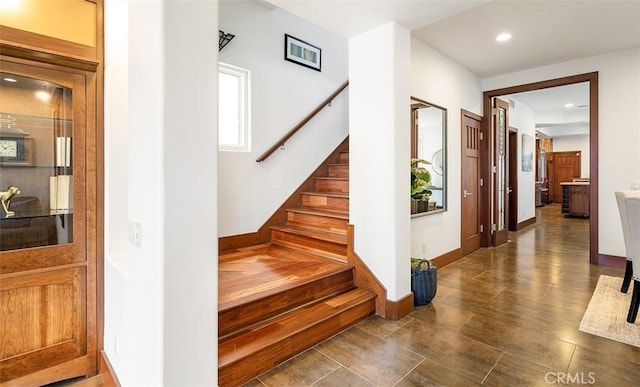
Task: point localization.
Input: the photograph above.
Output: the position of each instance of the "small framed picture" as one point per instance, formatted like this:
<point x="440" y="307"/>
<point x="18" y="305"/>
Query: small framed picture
<point x="302" y="53"/>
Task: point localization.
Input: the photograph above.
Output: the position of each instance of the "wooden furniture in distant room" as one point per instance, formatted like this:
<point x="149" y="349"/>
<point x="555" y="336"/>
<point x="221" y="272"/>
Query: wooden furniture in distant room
<point x="563" y="168"/>
<point x="575" y="199"/>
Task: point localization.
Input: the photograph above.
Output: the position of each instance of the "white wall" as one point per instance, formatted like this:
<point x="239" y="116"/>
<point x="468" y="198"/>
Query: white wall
<point x="439" y="80"/>
<point x="379" y="151"/>
<point x="575" y="143"/>
<point x="619" y="120"/>
<point x="161" y="297"/>
<point x="523" y="118"/>
<point x="282" y="94"/>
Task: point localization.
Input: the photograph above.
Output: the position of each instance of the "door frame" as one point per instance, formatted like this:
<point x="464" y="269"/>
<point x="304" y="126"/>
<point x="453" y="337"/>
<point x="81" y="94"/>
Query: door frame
<point x="513" y="179"/>
<point x="592" y="78"/>
<point x="499" y="237"/>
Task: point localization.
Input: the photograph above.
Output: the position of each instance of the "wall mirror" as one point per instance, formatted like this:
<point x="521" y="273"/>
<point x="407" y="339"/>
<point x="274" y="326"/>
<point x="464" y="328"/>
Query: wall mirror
<point x="429" y="147"/>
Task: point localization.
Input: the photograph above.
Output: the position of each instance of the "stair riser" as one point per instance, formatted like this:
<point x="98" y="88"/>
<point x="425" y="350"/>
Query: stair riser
<point x="321" y="247"/>
<point x="318" y="221"/>
<point x="330" y="203"/>
<point x="271" y="306"/>
<point x="262" y="360"/>
<point x="329" y="185"/>
<point x="344" y="157"/>
<point x="338" y="171"/>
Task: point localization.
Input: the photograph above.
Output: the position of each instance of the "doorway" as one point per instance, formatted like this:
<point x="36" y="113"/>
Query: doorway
<point x="490" y="199"/>
<point x="512" y="189"/>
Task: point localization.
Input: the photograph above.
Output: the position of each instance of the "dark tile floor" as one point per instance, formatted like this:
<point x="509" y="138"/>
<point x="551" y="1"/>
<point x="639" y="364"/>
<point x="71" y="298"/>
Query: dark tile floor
<point x="505" y="316"/>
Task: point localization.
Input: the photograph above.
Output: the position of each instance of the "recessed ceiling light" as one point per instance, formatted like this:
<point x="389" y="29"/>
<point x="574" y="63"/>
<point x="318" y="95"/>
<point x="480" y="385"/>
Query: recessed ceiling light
<point x="10" y="80"/>
<point x="569" y="105"/>
<point x="503" y="37"/>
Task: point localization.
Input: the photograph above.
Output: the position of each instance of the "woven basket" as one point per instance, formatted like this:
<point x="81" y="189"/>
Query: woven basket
<point x="424" y="281"/>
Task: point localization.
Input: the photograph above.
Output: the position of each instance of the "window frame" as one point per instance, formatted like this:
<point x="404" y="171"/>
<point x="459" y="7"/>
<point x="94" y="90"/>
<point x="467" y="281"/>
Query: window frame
<point x="244" y="108"/>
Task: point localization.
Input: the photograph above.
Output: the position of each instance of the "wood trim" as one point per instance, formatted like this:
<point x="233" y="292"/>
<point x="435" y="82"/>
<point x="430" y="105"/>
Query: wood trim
<point x="611" y="261"/>
<point x="237" y="241"/>
<point x="46" y="49"/>
<point x="363" y="277"/>
<point x="263" y="235"/>
<point x="109" y="377"/>
<point x="302" y="123"/>
<point x="447" y="258"/>
<point x="295" y="199"/>
<point x="592" y="78"/>
<point x="593" y="167"/>
<point x="526" y="223"/>
<point x="64" y="371"/>
<point x="483" y="193"/>
<point x="99" y="189"/>
<point x="512" y="220"/>
<point x="398" y="309"/>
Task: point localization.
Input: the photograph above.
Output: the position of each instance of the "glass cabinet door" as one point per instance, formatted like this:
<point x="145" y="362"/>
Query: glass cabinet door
<point x="45" y="272"/>
<point x="42" y="131"/>
<point x="36" y="162"/>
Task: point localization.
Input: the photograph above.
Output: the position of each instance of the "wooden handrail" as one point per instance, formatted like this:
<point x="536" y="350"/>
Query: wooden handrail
<point x="302" y="123"/>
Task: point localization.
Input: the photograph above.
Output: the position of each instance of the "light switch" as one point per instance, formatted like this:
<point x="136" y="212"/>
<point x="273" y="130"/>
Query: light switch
<point x="635" y="185"/>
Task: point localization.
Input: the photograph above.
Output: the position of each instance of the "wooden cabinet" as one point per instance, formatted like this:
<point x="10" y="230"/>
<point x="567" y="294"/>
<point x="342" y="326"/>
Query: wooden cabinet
<point x="49" y="239"/>
<point x="576" y="199"/>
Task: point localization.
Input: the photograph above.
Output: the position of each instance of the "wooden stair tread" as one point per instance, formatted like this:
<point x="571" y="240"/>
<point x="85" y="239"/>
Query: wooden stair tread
<point x="269" y="271"/>
<point x="332" y="178"/>
<point x="334" y="194"/>
<point x="321" y="212"/>
<point x="287" y="326"/>
<point x="323" y="235"/>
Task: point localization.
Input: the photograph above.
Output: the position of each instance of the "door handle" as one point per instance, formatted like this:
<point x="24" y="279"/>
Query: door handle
<point x="467" y="193"/>
<point x="509" y="190"/>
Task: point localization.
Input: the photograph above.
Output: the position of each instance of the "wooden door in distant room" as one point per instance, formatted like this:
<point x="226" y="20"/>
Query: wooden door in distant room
<point x="566" y="166"/>
<point x="470" y="195"/>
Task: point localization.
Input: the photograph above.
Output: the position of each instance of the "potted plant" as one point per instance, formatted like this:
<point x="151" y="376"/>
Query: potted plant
<point x="424" y="280"/>
<point x="420" y="181"/>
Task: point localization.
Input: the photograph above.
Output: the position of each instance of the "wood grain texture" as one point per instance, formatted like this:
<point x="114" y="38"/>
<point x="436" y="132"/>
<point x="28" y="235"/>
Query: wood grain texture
<point x="45" y="49"/>
<point x="43" y="321"/>
<point x="364" y="278"/>
<point x="526" y="223"/>
<point x="109" y="377"/>
<point x="396" y="310"/>
<point x="501" y="316"/>
<point x="65" y="276"/>
<point x="246" y="356"/>
<point x="447" y="258"/>
<point x="592" y="78"/>
<point x="302" y="123"/>
<point x="296" y="198"/>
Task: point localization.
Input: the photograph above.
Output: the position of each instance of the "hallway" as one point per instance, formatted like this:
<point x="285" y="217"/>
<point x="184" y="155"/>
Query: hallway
<point x="502" y="316"/>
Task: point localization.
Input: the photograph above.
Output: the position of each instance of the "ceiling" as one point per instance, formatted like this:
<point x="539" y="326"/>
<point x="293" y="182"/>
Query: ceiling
<point x="553" y="118"/>
<point x="544" y="32"/>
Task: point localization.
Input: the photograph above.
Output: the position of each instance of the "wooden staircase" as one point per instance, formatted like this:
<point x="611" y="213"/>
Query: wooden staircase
<point x="281" y="298"/>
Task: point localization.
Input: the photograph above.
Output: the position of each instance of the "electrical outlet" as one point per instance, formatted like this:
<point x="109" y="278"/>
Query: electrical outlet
<point x="635" y="185"/>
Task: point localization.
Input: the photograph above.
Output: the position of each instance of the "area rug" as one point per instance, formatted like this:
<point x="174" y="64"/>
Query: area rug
<point x="606" y="315"/>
